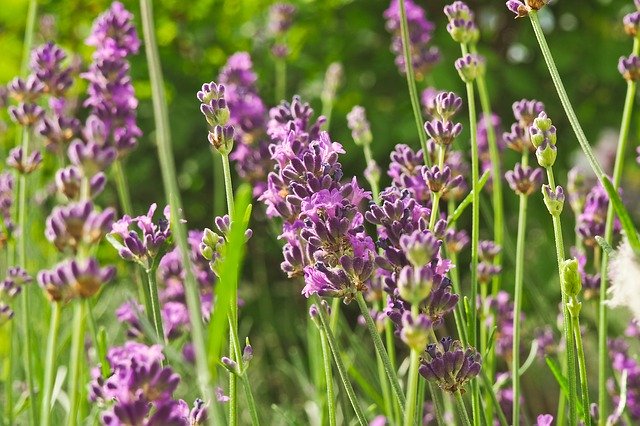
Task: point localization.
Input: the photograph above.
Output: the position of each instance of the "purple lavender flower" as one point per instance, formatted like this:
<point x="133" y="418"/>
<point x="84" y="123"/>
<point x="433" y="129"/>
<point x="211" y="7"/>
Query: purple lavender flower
<point x="26" y="91"/>
<point x="449" y="365"/>
<point x="470" y="66"/>
<point x="405" y="171"/>
<point x="46" y="65"/>
<point x="462" y="25"/>
<point x="591" y="222"/>
<point x="623" y="360"/>
<point x="67" y="227"/>
<point x="27" y="115"/>
<point x="58" y="131"/>
<point x="24" y="165"/>
<point x="415" y="331"/>
<point x="502" y="319"/>
<point x="280" y="18"/>
<point x="111" y="95"/>
<point x="74" y="278"/>
<point x="524" y="111"/>
<point x="69" y="181"/>
<point x="6" y="313"/>
<point x="90" y="157"/>
<point x="423" y="56"/>
<point x="141" y="247"/>
<point x="6" y="201"/>
<point x="629" y="67"/>
<point x="631" y="22"/>
<point x="483" y="138"/>
<point x="12" y="284"/>
<point x="524" y="180"/>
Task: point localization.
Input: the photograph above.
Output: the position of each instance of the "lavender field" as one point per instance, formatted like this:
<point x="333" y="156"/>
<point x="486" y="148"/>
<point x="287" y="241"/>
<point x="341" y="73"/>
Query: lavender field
<point x="337" y="212"/>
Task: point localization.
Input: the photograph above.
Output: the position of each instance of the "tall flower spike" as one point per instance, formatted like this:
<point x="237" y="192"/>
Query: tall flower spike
<point x="449" y="365"/>
<point x="46" y="64"/>
<point x="73" y="278"/>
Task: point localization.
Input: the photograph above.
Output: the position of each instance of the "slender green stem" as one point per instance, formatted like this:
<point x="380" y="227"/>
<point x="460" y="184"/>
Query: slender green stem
<point x="412" y="388"/>
<point x="25" y="298"/>
<point x="486" y="382"/>
<point x="603" y="351"/>
<point x="99" y="344"/>
<point x="582" y="367"/>
<point x="8" y="378"/>
<point x="411" y="80"/>
<point x="218" y="178"/>
<point x="517" y="305"/>
<point x="328" y="374"/>
<point x="281" y="79"/>
<point x="50" y="366"/>
<point x="377" y="342"/>
<point x="566" y="321"/>
<point x="123" y="189"/>
<point x="163" y="135"/>
<point x="437" y="408"/>
<point x="462" y="410"/>
<point x="335" y="314"/>
<point x="455" y="214"/>
<point x="32" y="14"/>
<point x="251" y="403"/>
<point x="382" y="377"/>
<point x="77" y="357"/>
<point x="337" y="358"/>
<point x="156" y="315"/>
<point x="391" y="350"/>
<point x="228" y="185"/>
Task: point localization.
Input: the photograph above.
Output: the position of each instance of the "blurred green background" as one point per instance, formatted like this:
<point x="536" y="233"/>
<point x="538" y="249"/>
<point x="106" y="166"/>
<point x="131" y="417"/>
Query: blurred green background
<point x="195" y="38"/>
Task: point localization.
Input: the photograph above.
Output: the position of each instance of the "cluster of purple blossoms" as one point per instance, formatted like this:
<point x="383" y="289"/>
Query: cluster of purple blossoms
<point x="111" y="95"/>
<point x="462" y="25"/>
<point x="423" y="55"/>
<point x="629" y="66"/>
<point x="212" y="243"/>
<point x="139" y="390"/>
<point x="487" y="251"/>
<point x="74" y="278"/>
<point x="10" y="287"/>
<point x="591" y="221"/>
<point x="247" y="115"/>
<point x="521" y="8"/>
<point x="323" y="225"/>
<point x="450" y="365"/>
<point x="280" y="20"/>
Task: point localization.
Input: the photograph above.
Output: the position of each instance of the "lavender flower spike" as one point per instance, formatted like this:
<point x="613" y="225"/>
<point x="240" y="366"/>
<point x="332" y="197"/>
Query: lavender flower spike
<point x="524" y="180"/>
<point x="452" y="367"/>
<point x="23" y="165"/>
<point x="72" y="279"/>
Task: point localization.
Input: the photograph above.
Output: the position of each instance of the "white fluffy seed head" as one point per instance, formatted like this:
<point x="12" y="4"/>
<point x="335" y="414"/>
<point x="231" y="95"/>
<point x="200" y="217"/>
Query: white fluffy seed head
<point x="624" y="275"/>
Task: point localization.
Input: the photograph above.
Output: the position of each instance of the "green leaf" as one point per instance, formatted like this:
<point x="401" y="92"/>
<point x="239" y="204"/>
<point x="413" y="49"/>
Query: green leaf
<point x="229" y="270"/>
<point x="562" y="381"/>
<point x="623" y="214"/>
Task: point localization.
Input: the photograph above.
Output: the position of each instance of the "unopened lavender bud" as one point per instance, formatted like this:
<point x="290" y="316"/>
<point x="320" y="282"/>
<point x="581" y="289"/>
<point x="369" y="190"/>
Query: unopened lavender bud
<point x="470" y="67"/>
<point x="229" y="364"/>
<point x="415" y="284"/>
<point x="629" y="67"/>
<point x="442" y="132"/>
<point x="463" y="31"/>
<point x="524" y="180"/>
<point x="631" y="23"/>
<point x="359" y="126"/>
<point x="553" y="199"/>
<point x="209" y="237"/>
<point x="372" y="172"/>
<point x="221" y="138"/>
<point x="546" y="155"/>
<point x="332" y="81"/>
<point x="207" y="252"/>
<point x="247" y="353"/>
<point x="518" y="8"/>
<point x="415" y="331"/>
<point x="420" y="247"/>
<point x="447" y="105"/>
<point x="542" y="130"/>
<point x="571" y="280"/>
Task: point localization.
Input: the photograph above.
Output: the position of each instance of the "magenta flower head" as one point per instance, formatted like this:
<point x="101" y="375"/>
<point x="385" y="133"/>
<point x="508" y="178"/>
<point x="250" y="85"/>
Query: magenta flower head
<point x="25" y="91"/>
<point x="24" y="165"/>
<point x="46" y="64"/>
<point x="462" y="25"/>
<point x="447" y="104"/>
<point x="280" y="18"/>
<point x="470" y="66"/>
<point x="114" y="31"/>
<point x="13" y="282"/>
<point x="449" y="365"/>
<point x="74" y="278"/>
<point x="441" y="181"/>
<point x="442" y="132"/>
<point x="90" y="157"/>
<point x="58" y="131"/>
<point x="141" y="246"/>
<point x="27" y="115"/>
<point x="591" y="221"/>
<point x="524" y="180"/>
<point x="629" y="67"/>
<point x="69" y="180"/>
<point x="67" y="227"/>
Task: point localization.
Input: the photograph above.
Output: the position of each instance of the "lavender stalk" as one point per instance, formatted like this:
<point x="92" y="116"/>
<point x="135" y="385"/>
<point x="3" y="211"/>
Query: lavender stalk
<point x="50" y="366"/>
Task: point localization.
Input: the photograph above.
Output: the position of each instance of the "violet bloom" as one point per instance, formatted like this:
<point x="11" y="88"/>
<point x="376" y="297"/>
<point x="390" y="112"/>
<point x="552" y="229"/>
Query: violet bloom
<point x="212" y="244"/>
<point x="12" y="284"/>
<point x="90" y="157"/>
<point x="24" y="164"/>
<point x="46" y="65"/>
<point x="58" y="131"/>
<point x="27" y="115"/>
<point x="449" y="365"/>
<point x="524" y="180"/>
<point x="591" y="222"/>
<point x="111" y="98"/>
<point x="69" y="181"/>
<point x="6" y="313"/>
<point x="623" y="359"/>
<point x="470" y="67"/>
<point x="502" y="319"/>
<point x="25" y="91"/>
<point x="483" y="139"/>
<point x="68" y="227"/>
<point x="74" y="278"/>
<point x="629" y="67"/>
<point x="405" y="171"/>
<point x="143" y="245"/>
<point x="423" y="56"/>
<point x="462" y="26"/>
<point x="6" y="202"/>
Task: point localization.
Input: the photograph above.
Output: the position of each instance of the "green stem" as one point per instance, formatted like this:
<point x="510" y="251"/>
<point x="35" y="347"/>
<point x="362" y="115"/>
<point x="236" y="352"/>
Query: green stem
<point x="382" y="353"/>
<point x="391" y="350"/>
<point x="603" y="350"/>
<point x="163" y="135"/>
<point x="462" y="410"/>
<point x="382" y="377"/>
<point x="8" y="378"/>
<point x="582" y="367"/>
<point x="123" y="189"/>
<point x="251" y="403"/>
<point x="453" y="216"/>
<point x="228" y="185"/>
<point x="326" y="358"/>
<point x="337" y="358"/>
<point x="22" y="263"/>
<point x="335" y="313"/>
<point x="281" y="79"/>
<point x="156" y="315"/>
<point x="77" y="357"/>
<point x="566" y="321"/>
<point x="375" y="184"/>
<point x="412" y="388"/>
<point x="99" y="344"/>
<point x="437" y="408"/>
<point x="50" y="366"/>
<point x="218" y="178"/>
<point x="411" y="80"/>
<point x="577" y="129"/>
<point x="32" y="14"/>
<point x="517" y="305"/>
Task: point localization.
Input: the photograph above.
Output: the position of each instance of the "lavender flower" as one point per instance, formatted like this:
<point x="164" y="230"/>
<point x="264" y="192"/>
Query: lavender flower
<point x="68" y="227"/>
<point x="6" y="202"/>
<point x="521" y="8"/>
<point x="631" y="22"/>
<point x="69" y="181"/>
<point x="144" y="246"/>
<point x="470" y="66"/>
<point x="212" y="244"/>
<point x="524" y="111"/>
<point x="13" y="282"/>
<point x="359" y="125"/>
<point x="6" y="313"/>
<point x="24" y="165"/>
<point x="74" y="278"/>
<point x="524" y="180"/>
<point x="449" y="365"/>
<point x="26" y="91"/>
<point x="462" y="25"/>
<point x="46" y="65"/>
<point x="423" y="56"/>
<point x="591" y="221"/>
<point x="90" y="157"/>
<point x="333" y="79"/>
<point x="57" y="131"/>
<point x="27" y="115"/>
<point x="629" y="67"/>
